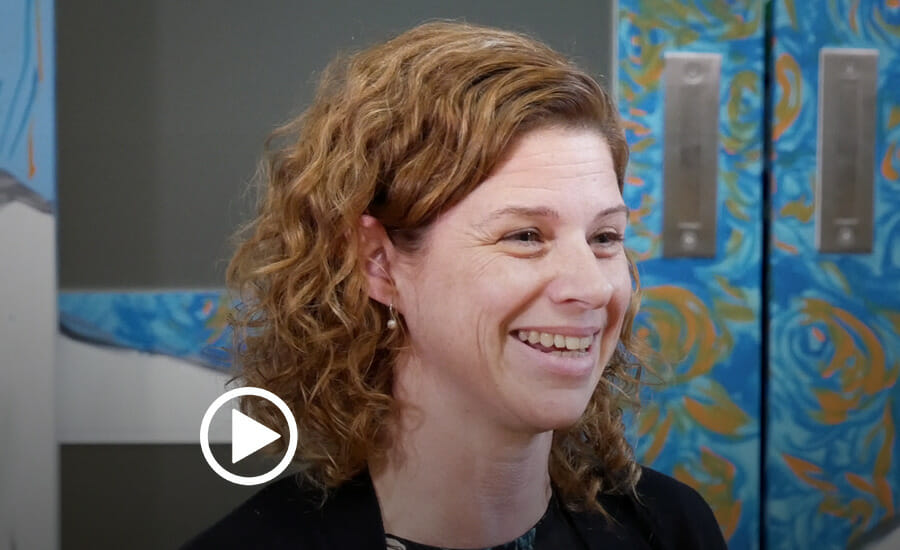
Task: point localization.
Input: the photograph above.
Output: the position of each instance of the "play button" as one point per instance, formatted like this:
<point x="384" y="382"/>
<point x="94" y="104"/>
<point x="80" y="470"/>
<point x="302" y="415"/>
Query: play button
<point x="248" y="436"/>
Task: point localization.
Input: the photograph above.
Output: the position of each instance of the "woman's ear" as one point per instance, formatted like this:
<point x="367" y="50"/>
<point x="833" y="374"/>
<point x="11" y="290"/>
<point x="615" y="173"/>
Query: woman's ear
<point x="376" y="251"/>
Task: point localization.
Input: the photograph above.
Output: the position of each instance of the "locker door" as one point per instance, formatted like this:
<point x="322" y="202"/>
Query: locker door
<point x="703" y="314"/>
<point x="834" y="354"/>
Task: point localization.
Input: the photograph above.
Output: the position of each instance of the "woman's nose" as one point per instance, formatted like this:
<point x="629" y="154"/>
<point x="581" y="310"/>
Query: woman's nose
<point x="580" y="277"/>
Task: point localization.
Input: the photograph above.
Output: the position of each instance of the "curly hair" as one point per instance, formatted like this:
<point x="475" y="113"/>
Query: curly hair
<point x="402" y="131"/>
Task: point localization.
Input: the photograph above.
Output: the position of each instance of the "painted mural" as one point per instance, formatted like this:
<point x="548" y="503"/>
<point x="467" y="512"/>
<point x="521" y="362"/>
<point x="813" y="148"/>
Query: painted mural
<point x="27" y="157"/>
<point x="702" y="315"/>
<point x="831" y="460"/>
<point x="189" y="325"/>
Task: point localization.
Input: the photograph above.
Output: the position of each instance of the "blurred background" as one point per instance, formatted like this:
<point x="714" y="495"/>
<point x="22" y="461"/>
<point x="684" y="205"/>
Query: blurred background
<point x="129" y="133"/>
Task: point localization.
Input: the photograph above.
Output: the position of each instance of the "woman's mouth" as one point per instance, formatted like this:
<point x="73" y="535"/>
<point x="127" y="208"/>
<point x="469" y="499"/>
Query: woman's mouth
<point x="570" y="357"/>
<point x="555" y="344"/>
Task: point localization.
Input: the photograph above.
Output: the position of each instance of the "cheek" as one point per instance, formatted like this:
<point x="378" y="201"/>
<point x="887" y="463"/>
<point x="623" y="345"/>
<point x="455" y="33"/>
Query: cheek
<point x="622" y="292"/>
<point x="452" y="295"/>
<point x="479" y="283"/>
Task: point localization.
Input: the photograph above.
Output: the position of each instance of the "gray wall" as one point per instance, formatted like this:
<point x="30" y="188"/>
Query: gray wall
<point x="163" y="106"/>
<point x="144" y="497"/>
<point x="162" y="109"/>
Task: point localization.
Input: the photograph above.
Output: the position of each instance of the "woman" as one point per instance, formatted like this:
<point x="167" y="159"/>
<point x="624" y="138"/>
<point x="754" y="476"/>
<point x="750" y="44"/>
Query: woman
<point x="437" y="283"/>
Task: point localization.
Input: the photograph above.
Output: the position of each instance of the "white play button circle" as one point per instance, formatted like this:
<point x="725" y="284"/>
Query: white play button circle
<point x="248" y="436"/>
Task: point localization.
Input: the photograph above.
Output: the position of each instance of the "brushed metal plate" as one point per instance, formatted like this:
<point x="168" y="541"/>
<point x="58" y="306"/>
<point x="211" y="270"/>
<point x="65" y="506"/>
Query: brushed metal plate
<point x="690" y="158"/>
<point x="845" y="152"/>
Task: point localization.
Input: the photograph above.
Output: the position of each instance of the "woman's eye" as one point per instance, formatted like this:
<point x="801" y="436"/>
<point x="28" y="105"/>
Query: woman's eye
<point x="608" y="238"/>
<point x="526" y="236"/>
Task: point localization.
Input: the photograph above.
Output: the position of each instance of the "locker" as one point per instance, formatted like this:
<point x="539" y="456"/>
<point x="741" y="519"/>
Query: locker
<point x="790" y="432"/>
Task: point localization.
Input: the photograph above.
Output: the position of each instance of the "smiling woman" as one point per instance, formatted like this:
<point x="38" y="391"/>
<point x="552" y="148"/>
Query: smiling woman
<point x="530" y="250"/>
<point x="437" y="284"/>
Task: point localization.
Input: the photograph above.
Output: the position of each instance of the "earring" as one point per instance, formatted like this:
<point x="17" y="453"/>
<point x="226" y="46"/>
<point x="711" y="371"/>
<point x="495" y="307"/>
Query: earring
<point x="392" y="322"/>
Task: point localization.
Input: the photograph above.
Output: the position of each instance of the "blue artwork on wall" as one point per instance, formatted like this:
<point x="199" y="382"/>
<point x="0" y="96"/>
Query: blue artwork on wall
<point x="189" y="325"/>
<point x="27" y="129"/>
<point x="834" y="355"/>
<point x="701" y="314"/>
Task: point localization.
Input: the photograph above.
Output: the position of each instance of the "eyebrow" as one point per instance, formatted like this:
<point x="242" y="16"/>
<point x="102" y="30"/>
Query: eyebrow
<point x="543" y="212"/>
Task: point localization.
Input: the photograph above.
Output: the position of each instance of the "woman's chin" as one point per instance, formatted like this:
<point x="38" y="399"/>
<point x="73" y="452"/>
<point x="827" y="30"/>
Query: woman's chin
<point x="559" y="417"/>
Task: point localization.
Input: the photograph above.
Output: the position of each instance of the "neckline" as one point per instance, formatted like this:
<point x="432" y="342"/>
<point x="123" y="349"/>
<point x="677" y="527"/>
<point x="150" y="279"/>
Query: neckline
<point x="525" y="540"/>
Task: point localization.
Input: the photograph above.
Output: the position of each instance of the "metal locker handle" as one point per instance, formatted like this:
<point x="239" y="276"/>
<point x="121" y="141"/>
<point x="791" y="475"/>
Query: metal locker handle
<point x="845" y="151"/>
<point x="690" y="157"/>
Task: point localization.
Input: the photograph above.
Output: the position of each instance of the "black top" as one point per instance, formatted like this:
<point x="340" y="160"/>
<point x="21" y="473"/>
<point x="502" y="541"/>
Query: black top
<point x="553" y="531"/>
<point x="669" y="515"/>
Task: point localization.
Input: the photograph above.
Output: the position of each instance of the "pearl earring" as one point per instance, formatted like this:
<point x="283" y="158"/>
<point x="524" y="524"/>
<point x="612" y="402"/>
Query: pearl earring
<point x="392" y="322"/>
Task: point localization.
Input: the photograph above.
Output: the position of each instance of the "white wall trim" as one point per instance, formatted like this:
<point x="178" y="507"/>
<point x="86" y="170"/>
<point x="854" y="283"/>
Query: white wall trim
<point x="110" y="395"/>
<point x="29" y="479"/>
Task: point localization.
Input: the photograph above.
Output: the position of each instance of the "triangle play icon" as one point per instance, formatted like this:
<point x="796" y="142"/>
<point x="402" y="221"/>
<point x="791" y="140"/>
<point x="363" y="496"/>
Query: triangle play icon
<point x="248" y="436"/>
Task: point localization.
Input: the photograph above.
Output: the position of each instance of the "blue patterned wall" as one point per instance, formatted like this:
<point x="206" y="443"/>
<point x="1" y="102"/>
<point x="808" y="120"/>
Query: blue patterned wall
<point x="831" y="454"/>
<point x="27" y="127"/>
<point x="702" y="314"/>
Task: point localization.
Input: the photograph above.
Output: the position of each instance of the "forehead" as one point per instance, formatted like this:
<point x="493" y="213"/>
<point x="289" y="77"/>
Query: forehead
<point x="579" y="151"/>
<point x="553" y="164"/>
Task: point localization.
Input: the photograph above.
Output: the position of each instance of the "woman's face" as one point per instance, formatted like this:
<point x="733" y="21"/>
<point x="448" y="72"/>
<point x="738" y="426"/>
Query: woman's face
<point x="529" y="264"/>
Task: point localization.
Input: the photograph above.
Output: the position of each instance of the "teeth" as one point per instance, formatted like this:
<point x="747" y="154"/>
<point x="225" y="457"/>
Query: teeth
<point x="569" y="343"/>
<point x="565" y="353"/>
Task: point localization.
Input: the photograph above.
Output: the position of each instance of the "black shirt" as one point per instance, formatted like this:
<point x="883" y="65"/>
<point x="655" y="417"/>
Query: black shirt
<point x="287" y="515"/>
<point x="553" y="531"/>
